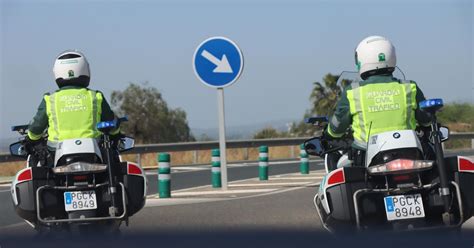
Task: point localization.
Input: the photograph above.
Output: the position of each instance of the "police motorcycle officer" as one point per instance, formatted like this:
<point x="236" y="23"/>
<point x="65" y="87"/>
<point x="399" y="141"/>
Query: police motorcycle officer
<point x="71" y="112"/>
<point x="379" y="103"/>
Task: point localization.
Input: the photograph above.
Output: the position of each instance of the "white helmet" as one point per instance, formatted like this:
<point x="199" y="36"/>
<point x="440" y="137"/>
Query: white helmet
<point x="71" y="68"/>
<point x="375" y="54"/>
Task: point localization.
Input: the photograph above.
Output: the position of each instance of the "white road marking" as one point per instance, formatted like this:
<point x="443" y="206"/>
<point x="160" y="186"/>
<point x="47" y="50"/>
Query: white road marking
<point x="183" y="169"/>
<point x="231" y="182"/>
<point x="177" y="201"/>
<point x="223" y="192"/>
<point x="469" y="224"/>
<point x="14" y="225"/>
<point x="194" y="168"/>
<point x="312" y="173"/>
<point x="267" y="184"/>
<point x="296" y="178"/>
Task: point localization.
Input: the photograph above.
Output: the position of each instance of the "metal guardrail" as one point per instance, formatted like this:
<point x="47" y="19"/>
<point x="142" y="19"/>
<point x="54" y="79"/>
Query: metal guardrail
<point x="208" y="145"/>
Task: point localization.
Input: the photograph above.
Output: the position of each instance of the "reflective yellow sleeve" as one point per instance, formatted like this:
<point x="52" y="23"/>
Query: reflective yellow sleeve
<point x="33" y="136"/>
<point x="332" y="134"/>
<point x="115" y="131"/>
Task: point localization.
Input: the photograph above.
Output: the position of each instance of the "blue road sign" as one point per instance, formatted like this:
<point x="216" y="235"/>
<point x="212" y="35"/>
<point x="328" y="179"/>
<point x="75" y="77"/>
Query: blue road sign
<point x="218" y="62"/>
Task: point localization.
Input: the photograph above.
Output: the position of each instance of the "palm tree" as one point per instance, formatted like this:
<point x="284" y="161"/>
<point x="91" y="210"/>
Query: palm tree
<point x="324" y="97"/>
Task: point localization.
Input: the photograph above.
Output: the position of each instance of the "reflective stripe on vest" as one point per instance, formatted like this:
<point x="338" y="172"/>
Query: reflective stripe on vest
<point x="377" y="108"/>
<point x="73" y="113"/>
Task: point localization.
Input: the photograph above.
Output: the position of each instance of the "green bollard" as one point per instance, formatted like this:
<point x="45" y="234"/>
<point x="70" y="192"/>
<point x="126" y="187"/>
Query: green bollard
<point x="164" y="175"/>
<point x="216" y="169"/>
<point x="304" y="166"/>
<point x="263" y="163"/>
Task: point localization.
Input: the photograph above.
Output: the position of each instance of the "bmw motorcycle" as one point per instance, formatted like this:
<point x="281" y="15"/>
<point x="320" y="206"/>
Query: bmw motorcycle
<point x="404" y="181"/>
<point x="83" y="184"/>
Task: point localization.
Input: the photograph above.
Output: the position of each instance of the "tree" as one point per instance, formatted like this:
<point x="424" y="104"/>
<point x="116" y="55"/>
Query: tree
<point x="324" y="97"/>
<point x="150" y="118"/>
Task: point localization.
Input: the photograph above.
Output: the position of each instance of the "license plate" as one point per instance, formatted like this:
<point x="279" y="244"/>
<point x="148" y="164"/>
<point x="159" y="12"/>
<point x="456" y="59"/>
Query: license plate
<point x="400" y="207"/>
<point x="80" y="200"/>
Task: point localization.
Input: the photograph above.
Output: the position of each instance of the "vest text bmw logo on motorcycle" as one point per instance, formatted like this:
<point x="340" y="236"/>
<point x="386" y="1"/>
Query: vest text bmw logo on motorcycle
<point x="396" y="135"/>
<point x="78" y="142"/>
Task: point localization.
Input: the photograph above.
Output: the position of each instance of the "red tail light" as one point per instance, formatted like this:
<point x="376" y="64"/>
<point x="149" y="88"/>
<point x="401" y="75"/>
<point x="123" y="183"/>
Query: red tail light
<point x="133" y="169"/>
<point x="80" y="178"/>
<point x="336" y="177"/>
<point x="25" y="175"/>
<point x="402" y="178"/>
<point x="465" y="165"/>
<point x="400" y="166"/>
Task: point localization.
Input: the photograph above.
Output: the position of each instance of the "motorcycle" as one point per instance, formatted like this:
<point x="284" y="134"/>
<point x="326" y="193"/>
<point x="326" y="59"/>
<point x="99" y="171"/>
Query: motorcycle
<point x="87" y="186"/>
<point x="404" y="181"/>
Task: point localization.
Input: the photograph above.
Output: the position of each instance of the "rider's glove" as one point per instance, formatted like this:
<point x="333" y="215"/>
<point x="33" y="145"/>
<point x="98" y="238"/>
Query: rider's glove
<point x="30" y="144"/>
<point x="116" y="139"/>
<point x="325" y="135"/>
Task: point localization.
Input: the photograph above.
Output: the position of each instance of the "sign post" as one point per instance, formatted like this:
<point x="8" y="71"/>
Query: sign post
<point x="222" y="145"/>
<point x="218" y="63"/>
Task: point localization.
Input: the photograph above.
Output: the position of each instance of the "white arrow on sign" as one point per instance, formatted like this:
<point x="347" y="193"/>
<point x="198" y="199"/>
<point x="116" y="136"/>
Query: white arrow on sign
<point x="223" y="65"/>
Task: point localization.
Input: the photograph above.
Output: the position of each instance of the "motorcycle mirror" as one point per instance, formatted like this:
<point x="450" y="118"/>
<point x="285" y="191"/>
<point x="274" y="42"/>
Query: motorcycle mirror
<point x="18" y="150"/>
<point x="126" y="144"/>
<point x="313" y="146"/>
<point x="444" y="133"/>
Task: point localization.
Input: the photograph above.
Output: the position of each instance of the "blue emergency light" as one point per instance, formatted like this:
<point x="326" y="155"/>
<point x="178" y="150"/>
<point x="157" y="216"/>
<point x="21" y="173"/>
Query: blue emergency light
<point x="106" y="124"/>
<point x="431" y="104"/>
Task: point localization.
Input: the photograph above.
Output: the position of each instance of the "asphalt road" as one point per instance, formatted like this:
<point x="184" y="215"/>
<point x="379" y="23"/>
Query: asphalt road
<point x="282" y="218"/>
<point x="181" y="179"/>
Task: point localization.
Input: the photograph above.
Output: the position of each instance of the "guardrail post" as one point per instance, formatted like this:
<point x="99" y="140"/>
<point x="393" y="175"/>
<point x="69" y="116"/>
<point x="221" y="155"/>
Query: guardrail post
<point x="164" y="175"/>
<point x="195" y="156"/>
<point x="472" y="143"/>
<point x="138" y="157"/>
<point x="263" y="163"/>
<point x="304" y="166"/>
<point x="216" y="168"/>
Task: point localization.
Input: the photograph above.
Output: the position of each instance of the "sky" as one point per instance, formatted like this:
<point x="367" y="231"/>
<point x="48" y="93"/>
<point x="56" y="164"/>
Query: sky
<point x="287" y="45"/>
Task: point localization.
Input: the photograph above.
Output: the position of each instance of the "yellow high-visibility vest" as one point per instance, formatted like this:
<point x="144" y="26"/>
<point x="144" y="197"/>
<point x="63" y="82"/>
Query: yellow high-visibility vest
<point x="382" y="107"/>
<point x="73" y="113"/>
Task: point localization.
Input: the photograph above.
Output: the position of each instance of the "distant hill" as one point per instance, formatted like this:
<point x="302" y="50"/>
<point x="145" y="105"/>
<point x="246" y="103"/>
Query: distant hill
<point x="239" y="132"/>
<point x="233" y="132"/>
